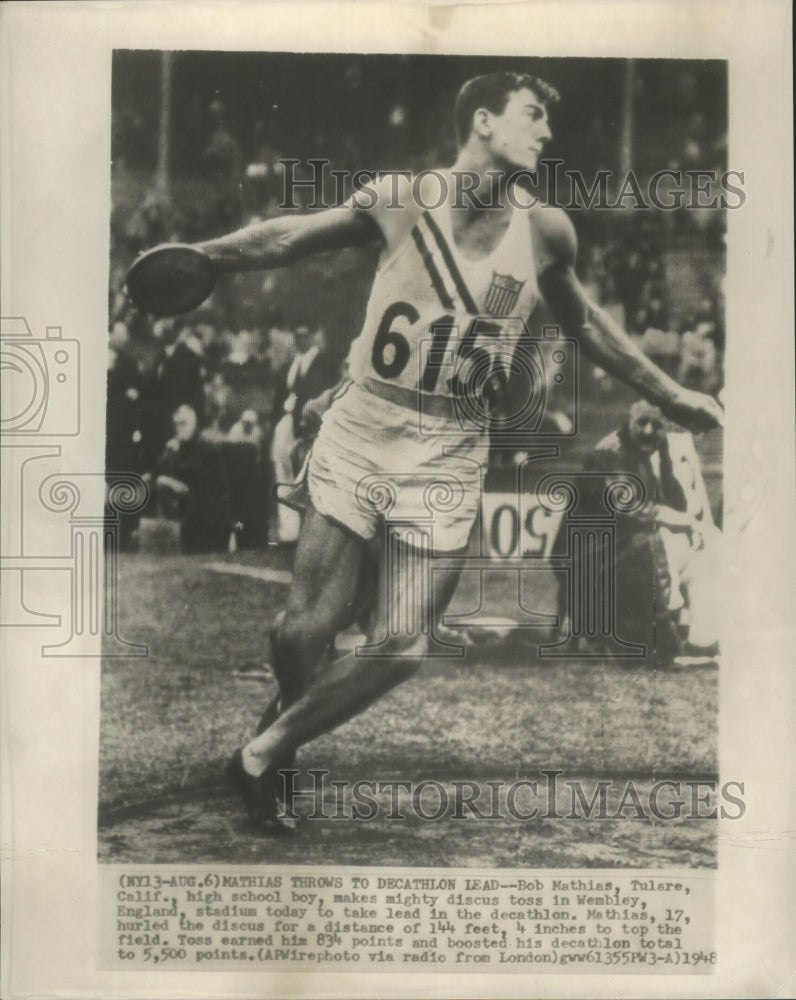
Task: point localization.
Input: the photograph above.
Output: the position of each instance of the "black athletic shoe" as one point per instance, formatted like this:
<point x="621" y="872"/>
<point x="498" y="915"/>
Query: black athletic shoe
<point x="260" y="796"/>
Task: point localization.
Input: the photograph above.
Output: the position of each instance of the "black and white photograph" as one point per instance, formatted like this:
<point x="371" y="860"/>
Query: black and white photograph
<point x="421" y="360"/>
<point x="397" y="498"/>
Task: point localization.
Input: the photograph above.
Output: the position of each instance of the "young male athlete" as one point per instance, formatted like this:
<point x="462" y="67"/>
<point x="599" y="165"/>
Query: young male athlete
<point x="461" y="268"/>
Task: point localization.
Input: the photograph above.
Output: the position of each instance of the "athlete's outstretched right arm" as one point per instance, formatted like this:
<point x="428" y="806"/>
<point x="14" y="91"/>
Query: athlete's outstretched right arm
<point x="287" y="238"/>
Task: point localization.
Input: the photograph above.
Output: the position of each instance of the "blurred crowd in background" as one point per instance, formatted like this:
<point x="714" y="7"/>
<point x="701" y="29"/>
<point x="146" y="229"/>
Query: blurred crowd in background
<point x="225" y="375"/>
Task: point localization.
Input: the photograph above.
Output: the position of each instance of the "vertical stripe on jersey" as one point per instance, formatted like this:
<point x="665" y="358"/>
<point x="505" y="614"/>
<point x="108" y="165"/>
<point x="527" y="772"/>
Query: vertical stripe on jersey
<point x="447" y="256"/>
<point x="431" y="267"/>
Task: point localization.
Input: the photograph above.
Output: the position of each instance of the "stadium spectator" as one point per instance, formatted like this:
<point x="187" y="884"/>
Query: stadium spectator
<point x="190" y="484"/>
<point x="693" y="554"/>
<point x="247" y="370"/>
<point x="177" y="378"/>
<point x="122" y="442"/>
<point x="219" y="407"/>
<point x="311" y="371"/>
<point x="666" y="548"/>
<point x="247" y="430"/>
<point x="699" y="358"/>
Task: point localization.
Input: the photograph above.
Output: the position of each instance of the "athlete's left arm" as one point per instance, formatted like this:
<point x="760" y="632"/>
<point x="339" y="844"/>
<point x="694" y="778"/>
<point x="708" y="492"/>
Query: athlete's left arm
<point x="601" y="338"/>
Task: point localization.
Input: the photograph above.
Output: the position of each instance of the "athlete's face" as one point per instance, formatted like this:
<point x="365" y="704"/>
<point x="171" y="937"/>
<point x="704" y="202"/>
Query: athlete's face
<point x="519" y="134"/>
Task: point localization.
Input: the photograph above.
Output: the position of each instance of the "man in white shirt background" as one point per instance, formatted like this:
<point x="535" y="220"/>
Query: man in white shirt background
<point x="311" y="371"/>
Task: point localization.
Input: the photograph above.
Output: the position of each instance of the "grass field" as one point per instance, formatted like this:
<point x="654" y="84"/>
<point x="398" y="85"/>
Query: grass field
<point x="171" y="720"/>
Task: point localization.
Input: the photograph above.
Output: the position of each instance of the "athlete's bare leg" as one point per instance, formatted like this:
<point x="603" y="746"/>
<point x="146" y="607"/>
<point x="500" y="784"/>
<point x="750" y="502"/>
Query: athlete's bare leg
<point x="341" y="690"/>
<point x="326" y="571"/>
<point x="325" y="574"/>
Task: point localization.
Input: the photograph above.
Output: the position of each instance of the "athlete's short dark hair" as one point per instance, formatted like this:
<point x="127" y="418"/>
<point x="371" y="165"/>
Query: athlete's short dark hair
<point x="492" y="91"/>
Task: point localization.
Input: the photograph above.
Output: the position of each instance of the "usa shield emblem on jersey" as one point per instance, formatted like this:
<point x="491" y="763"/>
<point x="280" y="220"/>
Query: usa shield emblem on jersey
<point x="502" y="295"/>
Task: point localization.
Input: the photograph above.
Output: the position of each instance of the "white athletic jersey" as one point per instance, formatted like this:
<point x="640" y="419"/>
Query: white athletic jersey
<point x="436" y="322"/>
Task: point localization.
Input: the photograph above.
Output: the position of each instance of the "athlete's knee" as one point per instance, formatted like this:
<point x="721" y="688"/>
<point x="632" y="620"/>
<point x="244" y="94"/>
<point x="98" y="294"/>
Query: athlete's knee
<point x="300" y="629"/>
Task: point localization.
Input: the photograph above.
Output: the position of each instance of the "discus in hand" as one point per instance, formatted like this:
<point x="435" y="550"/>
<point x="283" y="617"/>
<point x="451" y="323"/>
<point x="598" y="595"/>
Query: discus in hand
<point x="171" y="279"/>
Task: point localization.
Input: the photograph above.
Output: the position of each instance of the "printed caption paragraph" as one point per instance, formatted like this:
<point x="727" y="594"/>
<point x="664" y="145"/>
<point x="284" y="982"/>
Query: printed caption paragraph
<point x="171" y="918"/>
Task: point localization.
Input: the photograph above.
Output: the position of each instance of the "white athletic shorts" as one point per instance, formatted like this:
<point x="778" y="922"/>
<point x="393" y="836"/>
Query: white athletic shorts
<point x="371" y="465"/>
